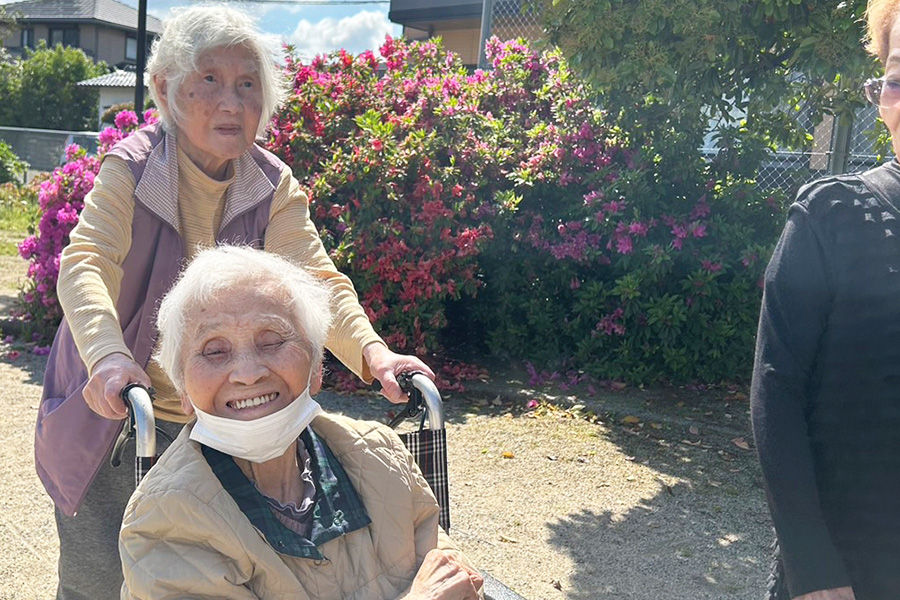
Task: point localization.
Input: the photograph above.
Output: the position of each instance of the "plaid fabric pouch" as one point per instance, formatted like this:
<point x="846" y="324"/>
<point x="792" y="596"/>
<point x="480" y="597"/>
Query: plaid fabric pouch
<point x="429" y="449"/>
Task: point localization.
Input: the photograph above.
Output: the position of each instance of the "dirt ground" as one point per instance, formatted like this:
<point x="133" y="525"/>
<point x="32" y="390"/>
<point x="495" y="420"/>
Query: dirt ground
<point x="658" y="497"/>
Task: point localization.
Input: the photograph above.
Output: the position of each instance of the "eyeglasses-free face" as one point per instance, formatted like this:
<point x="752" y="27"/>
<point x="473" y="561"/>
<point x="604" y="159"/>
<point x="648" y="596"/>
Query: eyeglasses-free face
<point x="883" y="92"/>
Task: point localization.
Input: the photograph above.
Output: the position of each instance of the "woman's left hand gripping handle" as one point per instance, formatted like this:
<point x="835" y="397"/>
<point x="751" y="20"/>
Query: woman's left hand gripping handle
<point x="111" y="374"/>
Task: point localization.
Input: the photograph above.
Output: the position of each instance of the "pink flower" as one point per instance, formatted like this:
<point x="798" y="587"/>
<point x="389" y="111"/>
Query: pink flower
<point x="638" y="229"/>
<point x="126" y="119"/>
<point x="592" y="197"/>
<point x="701" y="209"/>
<point x="610" y="324"/>
<point x="710" y="266"/>
<point x="108" y="136"/>
<point x="623" y="245"/>
<point x="72" y="151"/>
<point x="27" y="247"/>
<point x="614" y="207"/>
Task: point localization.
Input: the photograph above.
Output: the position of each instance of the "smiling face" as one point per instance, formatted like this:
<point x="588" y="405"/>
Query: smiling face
<point x="243" y="358"/>
<point x="220" y="108"/>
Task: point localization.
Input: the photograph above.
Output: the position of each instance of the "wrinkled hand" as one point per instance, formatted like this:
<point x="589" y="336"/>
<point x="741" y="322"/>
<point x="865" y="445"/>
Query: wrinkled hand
<point x="110" y="375"/>
<point x="385" y="365"/>
<point x="841" y="593"/>
<point x="442" y="578"/>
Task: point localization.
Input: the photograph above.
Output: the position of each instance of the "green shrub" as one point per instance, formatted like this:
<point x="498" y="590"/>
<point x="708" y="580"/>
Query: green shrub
<point x="12" y="168"/>
<point x="19" y="213"/>
<point x="555" y="231"/>
<point x="41" y="90"/>
<point x="504" y="210"/>
<point x="109" y="116"/>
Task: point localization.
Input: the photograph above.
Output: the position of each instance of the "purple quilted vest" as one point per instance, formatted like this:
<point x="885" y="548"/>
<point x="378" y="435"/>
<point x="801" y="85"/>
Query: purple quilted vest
<point x="71" y="441"/>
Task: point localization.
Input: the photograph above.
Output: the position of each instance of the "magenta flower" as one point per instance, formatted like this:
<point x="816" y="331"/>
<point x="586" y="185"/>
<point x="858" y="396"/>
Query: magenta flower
<point x="638" y="229"/>
<point x="611" y="323"/>
<point x="27" y="247"/>
<point x="126" y="119"/>
<point x="710" y="266"/>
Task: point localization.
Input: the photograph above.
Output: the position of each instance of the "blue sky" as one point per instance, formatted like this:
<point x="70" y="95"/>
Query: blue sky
<point x="312" y="29"/>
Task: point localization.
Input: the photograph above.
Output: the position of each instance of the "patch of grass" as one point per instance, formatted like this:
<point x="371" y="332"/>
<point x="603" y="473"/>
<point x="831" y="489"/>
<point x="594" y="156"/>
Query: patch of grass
<point x="8" y="247"/>
<point x="19" y="214"/>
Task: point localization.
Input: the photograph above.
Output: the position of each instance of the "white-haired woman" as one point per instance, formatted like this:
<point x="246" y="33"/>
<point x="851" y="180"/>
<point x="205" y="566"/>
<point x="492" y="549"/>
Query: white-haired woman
<point x="265" y="495"/>
<point x="196" y="179"/>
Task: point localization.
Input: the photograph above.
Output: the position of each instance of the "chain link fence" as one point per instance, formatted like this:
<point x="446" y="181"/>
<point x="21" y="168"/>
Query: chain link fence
<point x="508" y="19"/>
<point x="837" y="147"/>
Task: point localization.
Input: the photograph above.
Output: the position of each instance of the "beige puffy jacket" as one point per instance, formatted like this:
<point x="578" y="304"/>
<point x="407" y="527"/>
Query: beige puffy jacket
<point x="183" y="536"/>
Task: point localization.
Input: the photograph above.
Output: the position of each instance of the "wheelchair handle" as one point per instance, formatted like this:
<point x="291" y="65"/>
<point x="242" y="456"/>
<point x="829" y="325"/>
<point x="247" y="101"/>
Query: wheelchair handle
<point x="434" y="406"/>
<point x="422" y="394"/>
<point x="141" y="419"/>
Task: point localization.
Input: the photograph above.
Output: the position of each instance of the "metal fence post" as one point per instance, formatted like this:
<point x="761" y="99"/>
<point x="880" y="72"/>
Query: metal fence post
<point x="840" y="144"/>
<point x="487" y="12"/>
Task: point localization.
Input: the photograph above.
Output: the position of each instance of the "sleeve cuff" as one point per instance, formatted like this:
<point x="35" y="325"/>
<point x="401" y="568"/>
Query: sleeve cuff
<point x="813" y="565"/>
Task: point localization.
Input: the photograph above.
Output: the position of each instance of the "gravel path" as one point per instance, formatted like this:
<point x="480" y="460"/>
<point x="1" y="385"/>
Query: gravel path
<point x="658" y="497"/>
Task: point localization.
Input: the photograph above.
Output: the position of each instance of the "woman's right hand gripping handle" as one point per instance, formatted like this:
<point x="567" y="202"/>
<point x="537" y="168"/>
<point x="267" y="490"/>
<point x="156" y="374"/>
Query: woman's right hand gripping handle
<point x="111" y="374"/>
<point x="442" y="578"/>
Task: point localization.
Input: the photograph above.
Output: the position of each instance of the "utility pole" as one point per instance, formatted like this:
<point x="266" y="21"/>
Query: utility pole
<point x="141" y="60"/>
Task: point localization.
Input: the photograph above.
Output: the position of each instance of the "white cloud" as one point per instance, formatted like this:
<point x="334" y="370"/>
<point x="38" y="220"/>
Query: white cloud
<point x="363" y="31"/>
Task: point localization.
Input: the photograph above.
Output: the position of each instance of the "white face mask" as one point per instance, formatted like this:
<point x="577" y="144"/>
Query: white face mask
<point x="258" y="440"/>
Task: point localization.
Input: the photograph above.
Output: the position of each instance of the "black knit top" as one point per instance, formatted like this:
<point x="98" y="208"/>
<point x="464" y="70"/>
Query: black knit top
<point x="826" y="386"/>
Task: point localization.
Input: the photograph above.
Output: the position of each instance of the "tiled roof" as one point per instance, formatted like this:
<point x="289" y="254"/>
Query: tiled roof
<point x="106" y="11"/>
<point x="121" y="79"/>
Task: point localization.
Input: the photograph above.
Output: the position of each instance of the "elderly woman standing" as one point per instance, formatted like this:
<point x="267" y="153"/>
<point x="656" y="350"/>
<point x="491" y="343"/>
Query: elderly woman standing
<point x="196" y="179"/>
<point x="826" y="383"/>
<point x="266" y="495"/>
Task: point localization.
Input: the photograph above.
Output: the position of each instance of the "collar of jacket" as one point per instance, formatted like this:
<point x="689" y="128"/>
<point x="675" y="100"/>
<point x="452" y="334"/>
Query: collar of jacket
<point x="338" y="511"/>
<point x="158" y="186"/>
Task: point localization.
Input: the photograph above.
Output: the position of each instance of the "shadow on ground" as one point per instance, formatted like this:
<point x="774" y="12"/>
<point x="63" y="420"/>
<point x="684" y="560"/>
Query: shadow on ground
<point x="21" y="357"/>
<point x="689" y="518"/>
<point x="637" y="555"/>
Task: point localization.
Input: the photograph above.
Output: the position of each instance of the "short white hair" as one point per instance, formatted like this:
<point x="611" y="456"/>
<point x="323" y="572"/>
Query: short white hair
<point x="222" y="270"/>
<point x="192" y="32"/>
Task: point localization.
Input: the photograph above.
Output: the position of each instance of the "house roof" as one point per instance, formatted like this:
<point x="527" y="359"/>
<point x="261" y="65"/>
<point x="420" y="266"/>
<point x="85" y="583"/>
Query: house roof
<point x="422" y="13"/>
<point x="116" y="79"/>
<point x="110" y="12"/>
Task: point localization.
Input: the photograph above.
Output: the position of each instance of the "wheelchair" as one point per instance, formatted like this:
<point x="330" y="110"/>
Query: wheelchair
<point x="428" y="445"/>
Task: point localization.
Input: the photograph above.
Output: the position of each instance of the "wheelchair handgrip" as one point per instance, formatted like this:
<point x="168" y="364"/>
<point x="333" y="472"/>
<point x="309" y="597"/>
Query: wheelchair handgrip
<point x="140" y="415"/>
<point x="416" y="385"/>
<point x="434" y="407"/>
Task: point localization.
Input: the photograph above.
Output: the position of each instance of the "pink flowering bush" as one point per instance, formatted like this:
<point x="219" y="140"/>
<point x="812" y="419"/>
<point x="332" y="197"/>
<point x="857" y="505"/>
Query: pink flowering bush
<point x="503" y="211"/>
<point x="61" y="198"/>
<point x="502" y="208"/>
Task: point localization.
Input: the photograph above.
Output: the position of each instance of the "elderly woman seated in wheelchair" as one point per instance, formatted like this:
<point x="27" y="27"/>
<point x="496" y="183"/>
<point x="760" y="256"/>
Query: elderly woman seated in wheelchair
<point x="265" y="495"/>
